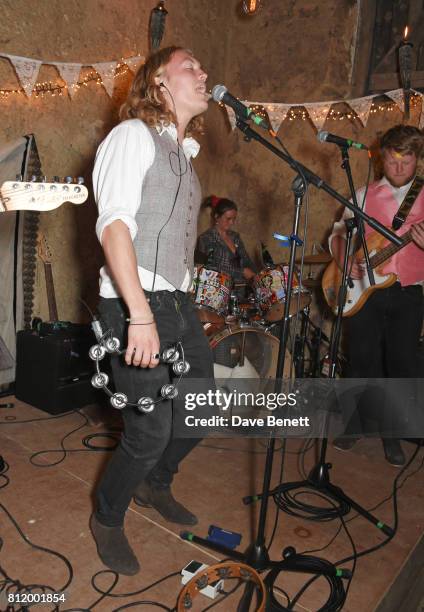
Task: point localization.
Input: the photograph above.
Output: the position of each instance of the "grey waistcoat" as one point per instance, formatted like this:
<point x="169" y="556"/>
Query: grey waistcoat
<point x="165" y="230"/>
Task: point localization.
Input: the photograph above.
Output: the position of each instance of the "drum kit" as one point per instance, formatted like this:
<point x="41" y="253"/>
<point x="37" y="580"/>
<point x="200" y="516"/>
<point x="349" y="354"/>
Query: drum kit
<point x="243" y="332"/>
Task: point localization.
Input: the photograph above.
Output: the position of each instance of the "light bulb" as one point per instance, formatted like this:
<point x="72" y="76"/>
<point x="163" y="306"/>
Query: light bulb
<point x="250" y="7"/>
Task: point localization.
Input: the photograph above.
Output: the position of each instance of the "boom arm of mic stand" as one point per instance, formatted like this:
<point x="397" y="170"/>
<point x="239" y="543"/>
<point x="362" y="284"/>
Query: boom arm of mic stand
<point x="318" y="182"/>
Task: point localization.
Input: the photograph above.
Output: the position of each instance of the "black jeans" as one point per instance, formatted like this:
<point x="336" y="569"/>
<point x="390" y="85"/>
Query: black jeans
<point x="383" y="343"/>
<point x="148" y="450"/>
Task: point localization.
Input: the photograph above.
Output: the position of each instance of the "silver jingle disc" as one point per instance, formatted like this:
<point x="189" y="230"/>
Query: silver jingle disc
<point x="170" y="355"/>
<point x="181" y="367"/>
<point x="169" y="391"/>
<point x="119" y="400"/>
<point x="146" y="404"/>
<point x="112" y="345"/>
<point x="99" y="380"/>
<point x="97" y="352"/>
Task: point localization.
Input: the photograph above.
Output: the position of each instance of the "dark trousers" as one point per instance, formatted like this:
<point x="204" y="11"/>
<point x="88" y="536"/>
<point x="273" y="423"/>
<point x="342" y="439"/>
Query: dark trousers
<point x="148" y="450"/>
<point x="383" y="343"/>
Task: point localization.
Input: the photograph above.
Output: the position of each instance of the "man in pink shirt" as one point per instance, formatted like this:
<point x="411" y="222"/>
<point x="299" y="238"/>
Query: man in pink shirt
<point x="383" y="335"/>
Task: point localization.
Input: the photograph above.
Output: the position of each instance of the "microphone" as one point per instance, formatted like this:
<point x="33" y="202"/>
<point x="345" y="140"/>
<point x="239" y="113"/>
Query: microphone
<point x="324" y="136"/>
<point x="221" y="94"/>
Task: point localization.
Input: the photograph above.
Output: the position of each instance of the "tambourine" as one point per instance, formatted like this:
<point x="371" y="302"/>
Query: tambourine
<point x="220" y="571"/>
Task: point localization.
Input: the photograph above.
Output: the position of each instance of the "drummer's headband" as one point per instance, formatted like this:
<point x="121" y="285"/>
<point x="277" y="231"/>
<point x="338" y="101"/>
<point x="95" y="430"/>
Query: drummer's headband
<point x="215" y="201"/>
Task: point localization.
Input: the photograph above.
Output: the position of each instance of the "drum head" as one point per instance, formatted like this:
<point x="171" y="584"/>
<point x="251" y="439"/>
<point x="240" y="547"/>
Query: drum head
<point x="246" y="352"/>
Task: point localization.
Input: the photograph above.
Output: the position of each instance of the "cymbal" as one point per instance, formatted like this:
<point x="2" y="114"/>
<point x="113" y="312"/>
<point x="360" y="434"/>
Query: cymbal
<point x="317" y="258"/>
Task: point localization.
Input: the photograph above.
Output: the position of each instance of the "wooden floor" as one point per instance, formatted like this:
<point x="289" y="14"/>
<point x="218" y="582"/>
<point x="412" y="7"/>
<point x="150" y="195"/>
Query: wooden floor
<point x="52" y="504"/>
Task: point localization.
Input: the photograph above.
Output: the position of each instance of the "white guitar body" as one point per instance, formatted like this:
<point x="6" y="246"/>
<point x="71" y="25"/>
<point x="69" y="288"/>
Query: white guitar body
<point x="357" y="295"/>
<point x="361" y="290"/>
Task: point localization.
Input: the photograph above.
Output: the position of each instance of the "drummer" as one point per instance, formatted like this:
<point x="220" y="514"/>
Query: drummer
<point x="223" y="247"/>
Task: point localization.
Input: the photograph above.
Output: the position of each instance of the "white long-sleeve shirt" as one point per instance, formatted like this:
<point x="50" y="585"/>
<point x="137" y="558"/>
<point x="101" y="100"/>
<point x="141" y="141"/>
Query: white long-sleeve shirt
<point x="122" y="161"/>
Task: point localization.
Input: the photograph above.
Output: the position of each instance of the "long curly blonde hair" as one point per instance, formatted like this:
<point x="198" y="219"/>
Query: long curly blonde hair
<point x="145" y="99"/>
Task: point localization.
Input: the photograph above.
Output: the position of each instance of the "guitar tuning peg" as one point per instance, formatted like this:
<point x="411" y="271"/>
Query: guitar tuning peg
<point x="80" y="180"/>
<point x="68" y="179"/>
<point x="56" y="179"/>
<point x="44" y="179"/>
<point x="33" y="179"/>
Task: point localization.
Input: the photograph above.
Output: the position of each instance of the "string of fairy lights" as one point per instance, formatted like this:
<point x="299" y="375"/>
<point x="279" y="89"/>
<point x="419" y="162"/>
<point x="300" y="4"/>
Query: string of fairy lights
<point x="298" y="111"/>
<point x="51" y="88"/>
<point x="42" y="89"/>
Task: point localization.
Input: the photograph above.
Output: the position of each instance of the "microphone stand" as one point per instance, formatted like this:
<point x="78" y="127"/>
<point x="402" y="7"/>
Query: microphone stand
<point x="319" y="475"/>
<point x="257" y="555"/>
<point x="360" y="225"/>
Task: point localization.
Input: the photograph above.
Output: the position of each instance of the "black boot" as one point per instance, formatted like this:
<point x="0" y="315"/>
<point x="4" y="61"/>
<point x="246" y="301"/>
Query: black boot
<point x="393" y="452"/>
<point x="113" y="548"/>
<point x="163" y="501"/>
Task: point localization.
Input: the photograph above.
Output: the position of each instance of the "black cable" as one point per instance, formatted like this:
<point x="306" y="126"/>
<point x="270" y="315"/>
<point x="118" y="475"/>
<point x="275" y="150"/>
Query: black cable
<point x="4" y="467"/>
<point x="395" y="514"/>
<point x="143" y="603"/>
<point x="383" y="501"/>
<point x="49" y="418"/>
<point x="295" y="507"/>
<point x="62" y="448"/>
<point x="307" y="445"/>
<point x="308" y="564"/>
<point x="356" y="555"/>
<point x="96" y="447"/>
<point x="88" y="308"/>
<point x="132" y="593"/>
<point x="18" y="587"/>
<point x="180" y="174"/>
<point x="276" y="588"/>
<point x="352" y="572"/>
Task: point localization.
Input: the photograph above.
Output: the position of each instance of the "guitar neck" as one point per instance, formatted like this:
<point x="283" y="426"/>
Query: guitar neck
<point x="51" y="298"/>
<point x="381" y="256"/>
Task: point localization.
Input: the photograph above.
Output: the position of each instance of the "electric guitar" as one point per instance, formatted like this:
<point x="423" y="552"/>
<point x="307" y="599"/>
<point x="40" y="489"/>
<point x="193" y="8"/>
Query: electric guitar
<point x="32" y="195"/>
<point x="361" y="290"/>
<point x="45" y="256"/>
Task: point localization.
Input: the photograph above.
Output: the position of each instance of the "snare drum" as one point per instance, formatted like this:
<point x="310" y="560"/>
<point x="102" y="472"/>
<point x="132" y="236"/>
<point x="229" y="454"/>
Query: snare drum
<point x="270" y="287"/>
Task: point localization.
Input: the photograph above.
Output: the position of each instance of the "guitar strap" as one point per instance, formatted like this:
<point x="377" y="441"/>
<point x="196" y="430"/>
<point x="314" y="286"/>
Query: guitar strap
<point x="408" y="202"/>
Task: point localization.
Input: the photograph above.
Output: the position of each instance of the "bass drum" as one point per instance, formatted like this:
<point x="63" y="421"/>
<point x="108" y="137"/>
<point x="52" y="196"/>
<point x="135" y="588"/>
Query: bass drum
<point x="247" y="352"/>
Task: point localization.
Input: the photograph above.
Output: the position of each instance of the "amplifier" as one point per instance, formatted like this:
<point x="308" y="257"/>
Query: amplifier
<point x="53" y="371"/>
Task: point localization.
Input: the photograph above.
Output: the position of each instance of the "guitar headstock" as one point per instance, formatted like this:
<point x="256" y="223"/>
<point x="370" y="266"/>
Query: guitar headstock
<point x="41" y="196"/>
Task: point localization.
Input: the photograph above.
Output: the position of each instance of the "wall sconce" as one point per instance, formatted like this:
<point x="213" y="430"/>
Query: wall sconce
<point x="157" y="25"/>
<point x="405" y="52"/>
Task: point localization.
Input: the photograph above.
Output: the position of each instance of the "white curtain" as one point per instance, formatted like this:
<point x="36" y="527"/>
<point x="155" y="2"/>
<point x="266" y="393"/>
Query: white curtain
<point x="11" y="156"/>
